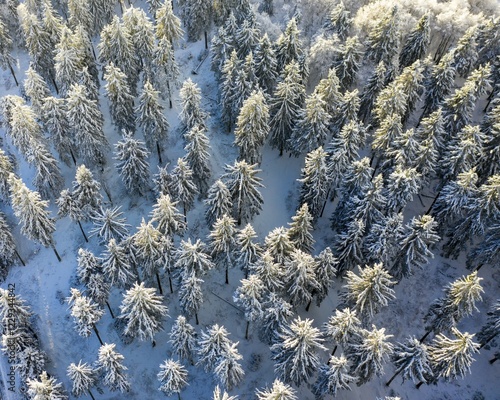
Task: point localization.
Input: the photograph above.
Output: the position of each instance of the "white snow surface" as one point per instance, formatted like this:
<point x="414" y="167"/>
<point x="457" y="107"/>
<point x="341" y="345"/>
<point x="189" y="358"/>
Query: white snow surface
<point x="44" y="282"/>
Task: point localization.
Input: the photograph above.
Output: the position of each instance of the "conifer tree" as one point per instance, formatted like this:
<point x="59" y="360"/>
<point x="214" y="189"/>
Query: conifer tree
<point x="182" y="185"/>
<point x="247" y="37"/>
<point x="86" y="121"/>
<point x="285" y="106"/>
<point x="82" y="376"/>
<point x="252" y="127"/>
<point x="86" y="314"/>
<point x="492" y="326"/>
<point x="368" y="354"/>
<point x="168" y="25"/>
<point x="250" y="296"/>
<point x="402" y="184"/>
<point x="109" y="224"/>
<point x="142" y="35"/>
<point x="288" y="47"/>
<point x="369" y="291"/>
<point x="383" y="39"/>
<point x="68" y="61"/>
<point x="110" y="363"/>
<point x="269" y="271"/>
<point x="326" y="271"/>
<point x="31" y="363"/>
<point x="373" y="86"/>
<point x="218" y="202"/>
<point x="247" y="251"/>
<point x="227" y="369"/>
<point x="8" y="250"/>
<point x="6" y="168"/>
<point x="349" y="246"/>
<point x="278" y="245"/>
<point x="221" y="49"/>
<point x="121" y="101"/>
<point x="166" y="216"/>
<point x="143" y="311"/>
<point x="231" y="98"/>
<point x="411" y="360"/>
<point x="342" y="327"/>
<point x="279" y="390"/>
<point x="223" y="242"/>
<point x="382" y="242"/>
<point x="132" y="164"/>
<point x="190" y="294"/>
<point x="33" y="214"/>
<point x="416" y="43"/>
<point x="301" y="228"/>
<point x="162" y="180"/>
<point x="45" y="388"/>
<point x="150" y="117"/>
<point x="348" y="61"/>
<point x="6" y="59"/>
<point x="23" y="127"/>
<point x="265" y="64"/>
<point x="242" y="182"/>
<point x="295" y="353"/>
<point x="315" y="182"/>
<point x="192" y="258"/>
<point x="277" y="314"/>
<point x="117" y="266"/>
<point x="198" y="157"/>
<point x="439" y="84"/>
<point x="68" y="207"/>
<point x="218" y="395"/>
<point x="333" y="377"/>
<point x="36" y="89"/>
<point x="183" y="338"/>
<point x="191" y="114"/>
<point x="465" y="52"/>
<point x="165" y="70"/>
<point x="213" y="343"/>
<point x="451" y="358"/>
<point x="300" y="281"/>
<point x="48" y="179"/>
<point x="173" y="377"/>
<point x="339" y="21"/>
<point x="13" y="309"/>
<point x="86" y="192"/>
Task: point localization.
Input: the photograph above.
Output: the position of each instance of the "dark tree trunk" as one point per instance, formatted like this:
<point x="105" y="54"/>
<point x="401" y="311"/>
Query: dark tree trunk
<point x="159" y="283"/>
<point x="419" y="384"/>
<point x="246" y="330"/>
<point x="56" y="253"/>
<point x="206" y="40"/>
<point x="196" y="318"/>
<point x="97" y="334"/>
<point x="159" y="152"/>
<point x="479" y="267"/>
<point x="54" y="82"/>
<point x="227" y="275"/>
<point x="388" y="383"/>
<point x="169" y="95"/>
<point x="72" y="156"/>
<point x="83" y="232"/>
<point x="433" y="202"/>
<point x="308" y="305"/>
<point x="170" y="283"/>
<point x="91" y="395"/>
<point x="110" y="310"/>
<point x="20" y="259"/>
<point x="425" y="336"/>
<point x="14" y="75"/>
<point x="493" y="359"/>
<point x="324" y="204"/>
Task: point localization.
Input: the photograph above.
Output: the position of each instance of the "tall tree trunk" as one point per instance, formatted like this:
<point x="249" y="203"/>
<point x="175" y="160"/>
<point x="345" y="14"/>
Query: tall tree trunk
<point x="206" y="40"/>
<point x="419" y="384"/>
<point x="170" y="283"/>
<point x="227" y="274"/>
<point x="110" y="310"/>
<point x="479" y="267"/>
<point x="90" y="394"/>
<point x="83" y="232"/>
<point x="56" y="253"/>
<point x="388" y="383"/>
<point x="494" y="359"/>
<point x="97" y="334"/>
<point x="72" y="156"/>
<point x="159" y="152"/>
<point x="54" y="82"/>
<point x="488" y="340"/>
<point x="169" y="94"/>
<point x="246" y="330"/>
<point x="159" y="283"/>
<point x="196" y="318"/>
<point x="14" y="75"/>
<point x="20" y="259"/>
<point x="308" y="305"/>
<point x="425" y="336"/>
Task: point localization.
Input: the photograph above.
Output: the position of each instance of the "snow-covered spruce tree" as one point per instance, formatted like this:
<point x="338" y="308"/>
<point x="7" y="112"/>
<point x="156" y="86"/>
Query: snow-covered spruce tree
<point x="347" y="62"/>
<point x="265" y="64"/>
<point x="384" y="37"/>
<point x="86" y="314"/>
<point x="227" y="368"/>
<point x="452" y="358"/>
<point x="333" y="377"/>
<point x="117" y="266"/>
<point x="300" y="229"/>
<point x="402" y="185"/>
<point x="368" y="354"/>
<point x="339" y="21"/>
<point x="231" y="97"/>
<point x="196" y="16"/>
<point x="36" y="89"/>
<point x="162" y="180"/>
<point x="285" y="106"/>
<point x="48" y="180"/>
<point x="168" y="25"/>
<point x="110" y="365"/>
<point x="86" y="123"/>
<point x="143" y="311"/>
<point x="33" y="214"/>
<point x="8" y="250"/>
<point x="270" y="272"/>
<point x="414" y="246"/>
<point x="370" y="290"/>
<point x="492" y="326"/>
<point x="389" y="129"/>
<point x="458" y="302"/>
<point x="213" y="343"/>
<point x="165" y="70"/>
<point x="150" y="246"/>
<point x="296" y="351"/>
<point x="250" y="296"/>
<point x="55" y="122"/>
<point x="191" y="114"/>
<point x="79" y="14"/>
<point x="300" y="278"/>
<point x="150" y="117"/>
<point x="311" y="129"/>
<point x="183" y="339"/>
<point x="6" y="168"/>
<point x="45" y="388"/>
<point x="315" y="182"/>
<point x="411" y="361"/>
<point x="192" y="258"/>
<point x="121" y="102"/>
<point x="349" y="246"/>
<point x="218" y="395"/>
<point x="247" y="37"/>
<point x="23" y="127"/>
<point x="182" y="186"/>
<point x="167" y="217"/>
<point x="13" y="309"/>
<point x="278" y="390"/>
<point x="6" y="59"/>
<point x="465" y="52"/>
<point x="31" y="363"/>
<point x="329" y="89"/>
<point x="223" y="243"/>
<point x="488" y="251"/>
<point x="252" y="127"/>
<point x="326" y="271"/>
<point x="439" y="84"/>
<point x="247" y="251"/>
<point x="376" y="82"/>
<point x="416" y="43"/>
<point x="131" y="155"/>
<point x="172" y="377"/>
<point x="221" y="49"/>
<point x="348" y="110"/>
<point x="218" y="202"/>
<point x="82" y="376"/>
<point x="242" y="182"/>
<point x="142" y="35"/>
<point x="109" y="224"/>
<point x="86" y="192"/>
<point x="198" y="157"/>
<point x="190" y="294"/>
<point x="277" y="315"/>
<point x="67" y="61"/>
<point x="342" y="327"/>
<point x="278" y="245"/>
<point x="382" y="243"/>
<point x="288" y="47"/>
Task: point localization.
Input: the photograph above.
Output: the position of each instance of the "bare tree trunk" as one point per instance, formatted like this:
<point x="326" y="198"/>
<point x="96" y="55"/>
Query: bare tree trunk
<point x="169" y="94"/>
<point x="196" y="318"/>
<point x="14" y="75"/>
<point x="206" y="40"/>
<point x="56" y="253"/>
<point x="83" y="232"/>
<point x="493" y="359"/>
<point x="159" y="152"/>
<point x="419" y="384"/>
<point x="110" y="310"/>
<point x="72" y="156"/>
<point x="90" y="394"/>
<point x="425" y="336"/>
<point x="97" y="334"/>
<point x="488" y="340"/>
<point x="20" y="259"/>
<point x="308" y="305"/>
<point x="159" y="283"/>
<point x="227" y="275"/>
<point x="170" y="283"/>
<point x="388" y="383"/>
